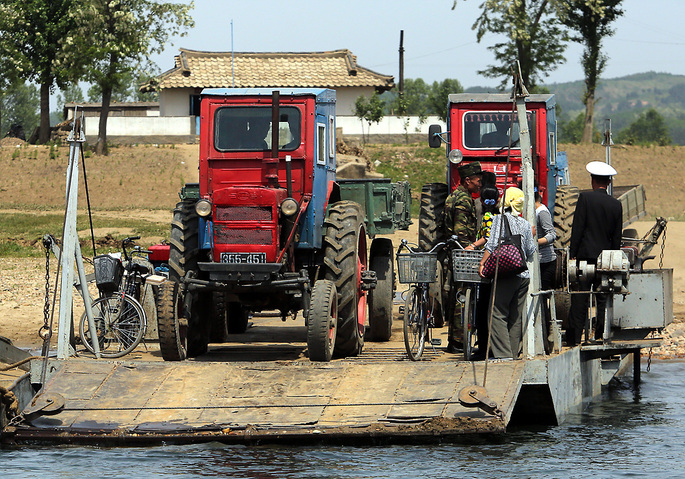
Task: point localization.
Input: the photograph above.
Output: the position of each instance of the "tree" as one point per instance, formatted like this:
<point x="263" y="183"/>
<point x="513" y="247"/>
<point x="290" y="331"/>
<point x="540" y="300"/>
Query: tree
<point x="369" y="109"/>
<point x="534" y="37"/>
<point x="415" y="98"/>
<point x="649" y="128"/>
<point x="19" y="104"/>
<point x="119" y="36"/>
<point x="590" y="20"/>
<point x="33" y="34"/>
<point x="129" y="88"/>
<point x="572" y="131"/>
<point x="439" y="95"/>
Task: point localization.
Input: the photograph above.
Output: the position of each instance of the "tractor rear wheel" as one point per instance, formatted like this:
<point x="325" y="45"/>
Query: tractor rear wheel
<point x="218" y="330"/>
<point x="199" y="324"/>
<point x="183" y="250"/>
<point x="322" y="323"/>
<point x="345" y="259"/>
<point x="564" y="209"/>
<point x="431" y="215"/>
<point x="172" y="327"/>
<point x="381" y="297"/>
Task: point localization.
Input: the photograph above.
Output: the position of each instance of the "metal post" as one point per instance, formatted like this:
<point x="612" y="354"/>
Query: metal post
<point x="71" y="250"/>
<point x="607" y="141"/>
<point x="532" y="341"/>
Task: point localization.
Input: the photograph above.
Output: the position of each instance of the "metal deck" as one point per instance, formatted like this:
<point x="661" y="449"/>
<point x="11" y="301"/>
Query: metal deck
<point x="138" y="401"/>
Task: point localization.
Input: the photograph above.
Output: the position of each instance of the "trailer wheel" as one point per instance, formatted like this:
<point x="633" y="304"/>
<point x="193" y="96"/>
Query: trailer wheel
<point x="238" y="318"/>
<point x="172" y="328"/>
<point x="322" y="323"/>
<point x="564" y="209"/>
<point x="199" y="324"/>
<point x="183" y="250"/>
<point x="380" y="298"/>
<point x="345" y="259"/>
<point x="219" y="328"/>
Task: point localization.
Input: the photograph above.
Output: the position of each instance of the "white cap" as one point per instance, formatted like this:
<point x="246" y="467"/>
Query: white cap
<point x="599" y="168"/>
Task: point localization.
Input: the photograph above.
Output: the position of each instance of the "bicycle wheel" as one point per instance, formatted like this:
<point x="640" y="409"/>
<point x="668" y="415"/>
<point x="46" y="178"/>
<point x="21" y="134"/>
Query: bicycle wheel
<point x="414" y="323"/>
<point x="468" y="320"/>
<point x="118" y="334"/>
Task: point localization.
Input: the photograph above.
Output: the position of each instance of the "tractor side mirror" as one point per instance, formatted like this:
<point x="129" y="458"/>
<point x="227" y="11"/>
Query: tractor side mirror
<point x="434" y="138"/>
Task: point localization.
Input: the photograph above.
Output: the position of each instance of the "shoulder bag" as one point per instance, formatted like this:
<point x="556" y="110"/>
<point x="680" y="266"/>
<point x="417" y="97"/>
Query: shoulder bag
<point x="511" y="258"/>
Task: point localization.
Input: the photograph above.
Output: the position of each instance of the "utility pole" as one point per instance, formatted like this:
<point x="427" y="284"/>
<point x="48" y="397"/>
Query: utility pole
<point x="401" y="86"/>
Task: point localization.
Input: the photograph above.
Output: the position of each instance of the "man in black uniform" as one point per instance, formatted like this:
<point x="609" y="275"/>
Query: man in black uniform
<point x="597" y="225"/>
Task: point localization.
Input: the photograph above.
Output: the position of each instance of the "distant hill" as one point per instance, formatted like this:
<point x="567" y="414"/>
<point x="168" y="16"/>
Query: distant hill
<point x="624" y="99"/>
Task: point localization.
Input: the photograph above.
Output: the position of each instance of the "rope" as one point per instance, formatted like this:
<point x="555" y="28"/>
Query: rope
<point x="90" y="213"/>
<point x="17" y="364"/>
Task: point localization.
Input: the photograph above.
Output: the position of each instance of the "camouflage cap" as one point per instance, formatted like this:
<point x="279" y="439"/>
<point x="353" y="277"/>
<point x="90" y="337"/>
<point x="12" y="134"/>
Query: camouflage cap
<point x="469" y="169"/>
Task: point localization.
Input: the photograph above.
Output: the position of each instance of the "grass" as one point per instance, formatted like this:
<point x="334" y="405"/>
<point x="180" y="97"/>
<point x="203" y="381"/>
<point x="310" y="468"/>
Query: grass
<point x="21" y="233"/>
<point x="416" y="164"/>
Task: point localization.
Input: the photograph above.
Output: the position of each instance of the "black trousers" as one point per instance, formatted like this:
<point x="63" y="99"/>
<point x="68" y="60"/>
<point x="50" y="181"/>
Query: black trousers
<point x="580" y="304"/>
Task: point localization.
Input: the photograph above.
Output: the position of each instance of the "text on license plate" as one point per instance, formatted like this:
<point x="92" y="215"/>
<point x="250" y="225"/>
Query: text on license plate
<point x="243" y="257"/>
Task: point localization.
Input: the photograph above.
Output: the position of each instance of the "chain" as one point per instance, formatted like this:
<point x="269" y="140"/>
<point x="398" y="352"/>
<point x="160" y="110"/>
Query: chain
<point x="663" y="246"/>
<point x="649" y="360"/>
<point x="44" y="331"/>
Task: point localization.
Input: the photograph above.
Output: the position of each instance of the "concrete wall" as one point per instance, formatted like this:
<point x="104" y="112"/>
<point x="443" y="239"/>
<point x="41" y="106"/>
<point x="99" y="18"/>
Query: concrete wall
<point x="151" y="129"/>
<point x="389" y="125"/>
<point x="175" y="101"/>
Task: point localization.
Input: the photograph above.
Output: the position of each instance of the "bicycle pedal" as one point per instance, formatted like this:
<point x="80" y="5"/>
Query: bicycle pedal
<point x="436" y="342"/>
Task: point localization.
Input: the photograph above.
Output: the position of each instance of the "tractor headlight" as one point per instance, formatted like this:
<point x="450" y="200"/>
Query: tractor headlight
<point x="455" y="156"/>
<point x="289" y="207"/>
<point x="203" y="208"/>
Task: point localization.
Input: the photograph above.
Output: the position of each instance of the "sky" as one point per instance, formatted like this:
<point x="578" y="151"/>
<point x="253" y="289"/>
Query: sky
<point x="438" y="41"/>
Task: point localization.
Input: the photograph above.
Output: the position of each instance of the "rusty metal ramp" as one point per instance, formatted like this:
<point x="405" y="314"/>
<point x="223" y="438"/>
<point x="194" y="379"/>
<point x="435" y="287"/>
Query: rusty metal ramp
<point x="268" y="401"/>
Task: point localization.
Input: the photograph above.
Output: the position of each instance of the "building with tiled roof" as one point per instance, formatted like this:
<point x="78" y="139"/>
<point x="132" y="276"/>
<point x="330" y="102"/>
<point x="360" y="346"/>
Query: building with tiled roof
<point x="194" y="70"/>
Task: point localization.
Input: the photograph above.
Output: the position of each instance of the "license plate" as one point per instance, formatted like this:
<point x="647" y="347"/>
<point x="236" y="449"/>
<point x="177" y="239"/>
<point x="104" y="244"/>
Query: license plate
<point x="249" y="258"/>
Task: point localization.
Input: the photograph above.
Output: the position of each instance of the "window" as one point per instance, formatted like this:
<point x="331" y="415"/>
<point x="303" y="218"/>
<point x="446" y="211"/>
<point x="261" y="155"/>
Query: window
<point x="490" y="129"/>
<point x="331" y="137"/>
<point x="321" y="143"/>
<point x="249" y="128"/>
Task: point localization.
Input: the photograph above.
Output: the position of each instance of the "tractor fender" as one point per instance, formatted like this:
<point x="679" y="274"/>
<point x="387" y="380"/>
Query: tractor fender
<point x="381" y="247"/>
<point x="333" y="194"/>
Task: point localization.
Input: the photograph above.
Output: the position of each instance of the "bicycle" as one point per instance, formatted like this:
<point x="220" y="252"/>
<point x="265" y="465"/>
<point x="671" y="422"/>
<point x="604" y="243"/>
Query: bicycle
<point x="419" y="269"/>
<point x="120" y="319"/>
<point x="465" y="271"/>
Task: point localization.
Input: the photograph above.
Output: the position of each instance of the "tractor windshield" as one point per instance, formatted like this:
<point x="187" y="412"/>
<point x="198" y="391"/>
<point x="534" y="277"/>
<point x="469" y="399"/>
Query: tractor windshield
<point x="490" y="129"/>
<point x="249" y="128"/>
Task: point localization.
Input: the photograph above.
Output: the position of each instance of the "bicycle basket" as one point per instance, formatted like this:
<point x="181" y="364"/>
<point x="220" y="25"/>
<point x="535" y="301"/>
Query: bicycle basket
<point x="108" y="272"/>
<point x="417" y="267"/>
<point x="465" y="266"/>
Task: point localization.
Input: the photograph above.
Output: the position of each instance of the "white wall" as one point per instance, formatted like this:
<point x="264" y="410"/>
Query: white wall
<point x="175" y="101"/>
<point x="143" y="126"/>
<point x="345" y="98"/>
<point x="389" y="125"/>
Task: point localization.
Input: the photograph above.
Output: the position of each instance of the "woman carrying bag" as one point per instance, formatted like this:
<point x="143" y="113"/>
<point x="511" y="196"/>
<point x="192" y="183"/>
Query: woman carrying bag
<point x="509" y="232"/>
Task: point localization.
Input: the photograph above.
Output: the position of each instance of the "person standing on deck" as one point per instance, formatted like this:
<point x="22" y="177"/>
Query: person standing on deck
<point x="461" y="222"/>
<point x="597" y="225"/>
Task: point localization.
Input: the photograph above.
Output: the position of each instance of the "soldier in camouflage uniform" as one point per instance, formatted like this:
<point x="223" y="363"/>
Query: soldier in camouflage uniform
<point x="461" y="221"/>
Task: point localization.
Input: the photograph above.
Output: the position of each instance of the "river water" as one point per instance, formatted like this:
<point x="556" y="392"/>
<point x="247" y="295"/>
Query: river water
<point x="628" y="433"/>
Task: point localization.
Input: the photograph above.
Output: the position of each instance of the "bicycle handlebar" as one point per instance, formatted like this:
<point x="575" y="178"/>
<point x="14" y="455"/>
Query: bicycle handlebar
<point x="450" y="242"/>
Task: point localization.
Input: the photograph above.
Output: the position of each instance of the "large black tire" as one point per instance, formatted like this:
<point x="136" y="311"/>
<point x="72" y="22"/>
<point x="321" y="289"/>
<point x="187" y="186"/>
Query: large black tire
<point x="218" y="331"/>
<point x="171" y="326"/>
<point x="344" y="249"/>
<point x="322" y="323"/>
<point x="431" y="215"/>
<point x="183" y="249"/>
<point x="199" y="324"/>
<point x="564" y="209"/>
<point x="238" y="318"/>
<point x="381" y="297"/>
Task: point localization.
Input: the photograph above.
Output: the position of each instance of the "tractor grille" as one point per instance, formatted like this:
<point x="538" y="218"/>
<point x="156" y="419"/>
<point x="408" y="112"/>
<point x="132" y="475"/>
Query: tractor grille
<point x="226" y="235"/>
<point x="244" y="213"/>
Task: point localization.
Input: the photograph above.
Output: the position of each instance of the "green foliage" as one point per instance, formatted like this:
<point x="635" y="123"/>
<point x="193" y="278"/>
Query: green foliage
<point x="572" y="131"/>
<point x="532" y="34"/>
<point x="34" y="36"/>
<point x="414" y="101"/>
<point x="129" y="88"/>
<point x="440" y="93"/>
<point x="19" y="105"/>
<point x="649" y="128"/>
<point x="589" y="22"/>
<point x="369" y="109"/>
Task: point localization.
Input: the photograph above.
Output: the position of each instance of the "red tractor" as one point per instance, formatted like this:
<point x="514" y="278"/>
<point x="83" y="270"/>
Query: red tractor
<point x="268" y="227"/>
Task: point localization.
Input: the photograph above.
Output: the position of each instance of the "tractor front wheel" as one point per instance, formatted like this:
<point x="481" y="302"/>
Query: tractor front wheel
<point x="171" y="326"/>
<point x="322" y="323"/>
<point x="380" y="298"/>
